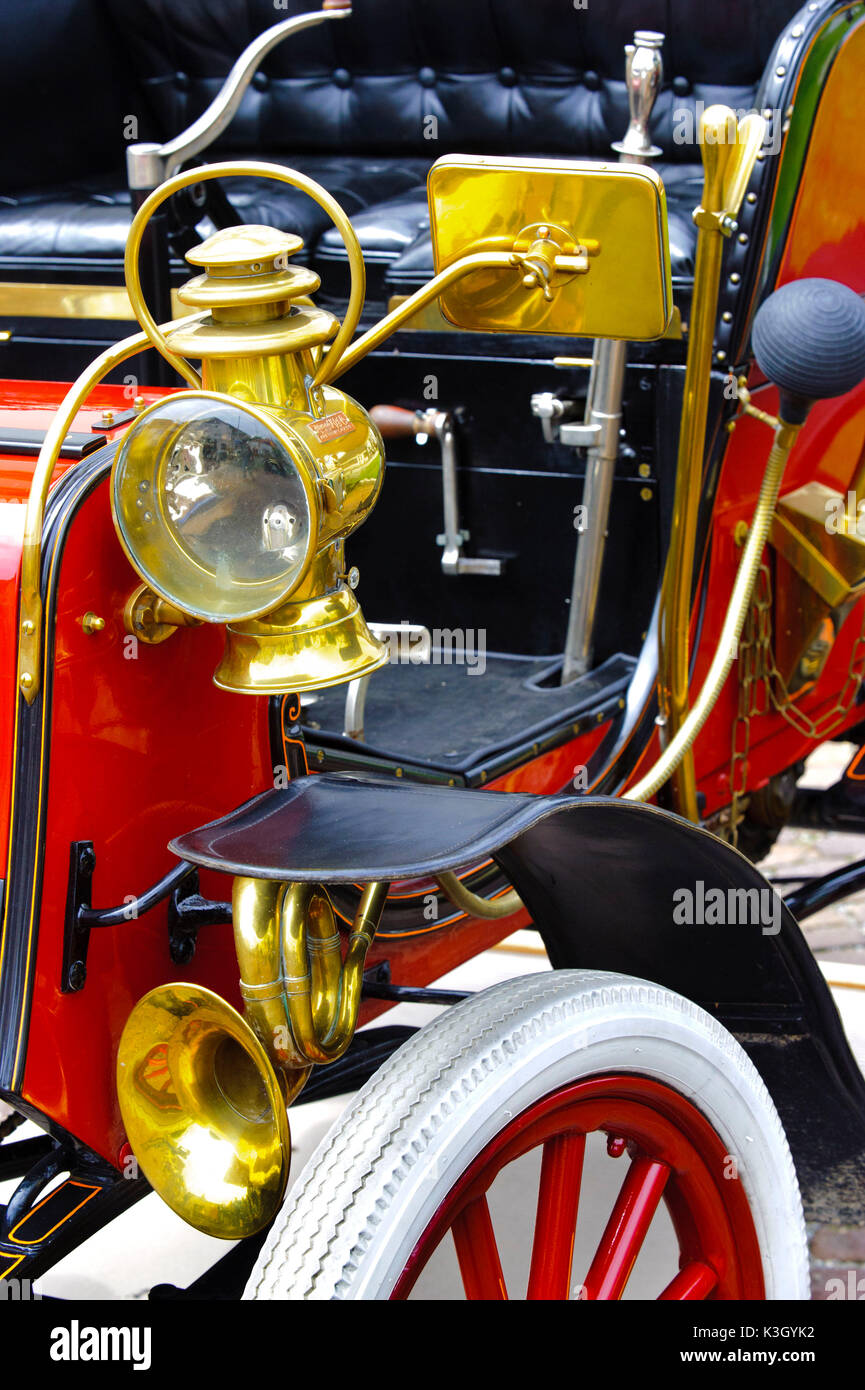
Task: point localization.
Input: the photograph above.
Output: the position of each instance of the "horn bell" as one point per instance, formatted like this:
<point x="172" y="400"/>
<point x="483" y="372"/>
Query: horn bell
<point x="203" y="1110"/>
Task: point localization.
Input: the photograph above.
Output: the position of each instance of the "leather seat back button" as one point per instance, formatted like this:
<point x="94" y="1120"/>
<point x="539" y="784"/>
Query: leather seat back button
<point x="342" y="77"/>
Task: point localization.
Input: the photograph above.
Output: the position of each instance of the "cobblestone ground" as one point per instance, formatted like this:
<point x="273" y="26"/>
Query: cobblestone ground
<point x="836" y="935"/>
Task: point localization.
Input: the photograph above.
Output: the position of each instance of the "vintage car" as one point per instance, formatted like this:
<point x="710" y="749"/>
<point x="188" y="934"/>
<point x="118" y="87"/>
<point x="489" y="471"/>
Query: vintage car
<point x="606" y="326"/>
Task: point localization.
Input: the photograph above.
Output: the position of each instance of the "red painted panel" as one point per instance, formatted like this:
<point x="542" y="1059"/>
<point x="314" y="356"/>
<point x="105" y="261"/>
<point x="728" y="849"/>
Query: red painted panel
<point x="141" y="749"/>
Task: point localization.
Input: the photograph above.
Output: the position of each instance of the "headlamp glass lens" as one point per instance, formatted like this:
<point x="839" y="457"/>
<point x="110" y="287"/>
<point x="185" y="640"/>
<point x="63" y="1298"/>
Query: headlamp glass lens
<point x="212" y="507"/>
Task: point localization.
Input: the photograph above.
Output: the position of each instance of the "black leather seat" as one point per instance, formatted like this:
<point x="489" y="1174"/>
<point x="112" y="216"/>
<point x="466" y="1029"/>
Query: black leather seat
<point x="365" y="105"/>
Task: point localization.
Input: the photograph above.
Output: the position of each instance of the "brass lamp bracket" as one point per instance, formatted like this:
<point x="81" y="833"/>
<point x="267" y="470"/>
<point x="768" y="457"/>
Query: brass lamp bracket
<point x="150" y="618"/>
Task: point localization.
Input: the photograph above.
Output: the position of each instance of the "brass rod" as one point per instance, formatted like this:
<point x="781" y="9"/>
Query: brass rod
<point x="478" y="260"/>
<point x="734" y="621"/>
<point x="476" y="906"/>
<point x="675" y="608"/>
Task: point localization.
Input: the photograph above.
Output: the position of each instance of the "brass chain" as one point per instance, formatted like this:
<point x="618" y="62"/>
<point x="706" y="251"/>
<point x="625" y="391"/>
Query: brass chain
<point x="762" y="688"/>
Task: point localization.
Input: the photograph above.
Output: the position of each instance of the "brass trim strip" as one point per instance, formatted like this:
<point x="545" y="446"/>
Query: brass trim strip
<point x="61" y="301"/>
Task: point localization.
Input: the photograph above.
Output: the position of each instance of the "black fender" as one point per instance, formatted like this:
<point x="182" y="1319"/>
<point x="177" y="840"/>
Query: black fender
<point x="603" y="880"/>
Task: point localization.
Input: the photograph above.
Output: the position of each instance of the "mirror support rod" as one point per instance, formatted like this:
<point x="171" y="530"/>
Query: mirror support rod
<point x="600" y="430"/>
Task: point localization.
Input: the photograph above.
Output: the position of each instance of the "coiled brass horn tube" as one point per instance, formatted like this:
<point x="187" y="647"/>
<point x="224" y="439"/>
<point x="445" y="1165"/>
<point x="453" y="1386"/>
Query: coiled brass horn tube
<point x="737" y="611"/>
<point x="302" y="999"/>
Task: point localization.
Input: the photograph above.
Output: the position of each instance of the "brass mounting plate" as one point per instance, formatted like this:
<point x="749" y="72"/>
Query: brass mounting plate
<point x="480" y="203"/>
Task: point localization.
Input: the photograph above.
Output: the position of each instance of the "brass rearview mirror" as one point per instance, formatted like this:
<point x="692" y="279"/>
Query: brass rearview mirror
<point x="591" y="239"/>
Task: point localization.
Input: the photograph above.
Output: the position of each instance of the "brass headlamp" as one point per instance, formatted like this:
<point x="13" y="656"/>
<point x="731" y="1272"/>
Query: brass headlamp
<point x="233" y="502"/>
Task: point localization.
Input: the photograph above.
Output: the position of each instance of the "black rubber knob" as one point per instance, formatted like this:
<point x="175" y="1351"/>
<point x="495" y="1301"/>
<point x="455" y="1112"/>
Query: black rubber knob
<point x="809" y="339"/>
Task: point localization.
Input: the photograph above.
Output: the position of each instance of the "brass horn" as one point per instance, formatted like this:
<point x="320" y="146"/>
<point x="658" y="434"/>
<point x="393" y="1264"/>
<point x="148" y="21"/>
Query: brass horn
<point x="203" y="1091"/>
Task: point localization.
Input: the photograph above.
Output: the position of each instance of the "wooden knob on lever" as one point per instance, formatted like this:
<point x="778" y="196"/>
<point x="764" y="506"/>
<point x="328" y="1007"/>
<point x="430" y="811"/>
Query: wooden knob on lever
<point x="393" y="422"/>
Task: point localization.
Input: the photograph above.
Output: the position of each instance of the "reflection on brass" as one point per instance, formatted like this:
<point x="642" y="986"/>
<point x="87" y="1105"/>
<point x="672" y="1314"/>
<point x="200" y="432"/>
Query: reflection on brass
<point x="43" y="301"/>
<point x="294" y="981"/>
<point x="147" y="616"/>
<point x="242" y="313"/>
<point x="292" y="624"/>
<point x="91" y="624"/>
<point x="203" y="1092"/>
<point x="817" y="537"/>
<point x="317" y="639"/>
<point x="589" y="243"/>
<point x="203" y="1110"/>
<point x="728" y="152"/>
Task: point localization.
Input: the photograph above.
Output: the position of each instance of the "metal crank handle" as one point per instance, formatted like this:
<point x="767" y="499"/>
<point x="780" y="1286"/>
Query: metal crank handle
<point x="394" y="422"/>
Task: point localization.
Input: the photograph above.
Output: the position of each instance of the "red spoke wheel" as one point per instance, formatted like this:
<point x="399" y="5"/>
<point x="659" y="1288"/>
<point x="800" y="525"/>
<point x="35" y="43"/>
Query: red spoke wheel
<point x="675" y="1156"/>
<point x="539" y="1076"/>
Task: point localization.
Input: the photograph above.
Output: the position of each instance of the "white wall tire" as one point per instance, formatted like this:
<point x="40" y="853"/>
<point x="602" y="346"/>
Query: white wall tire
<point x="370" y="1190"/>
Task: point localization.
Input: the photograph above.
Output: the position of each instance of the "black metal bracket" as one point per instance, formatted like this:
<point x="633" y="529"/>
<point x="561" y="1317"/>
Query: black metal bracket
<point x="76" y="932"/>
<point x="377" y="985"/>
<point x="186" y="913"/>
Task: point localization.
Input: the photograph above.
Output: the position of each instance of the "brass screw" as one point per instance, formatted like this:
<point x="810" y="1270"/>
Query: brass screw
<point x="646" y="494"/>
<point x="138" y="403"/>
<point x="28" y="627"/>
<point x="26" y="680"/>
<point x="740" y="532"/>
<point x="320" y="755"/>
<point x="397" y="772"/>
<point x="91" y="623"/>
<point x="107" y="418"/>
<point x="644" y="470"/>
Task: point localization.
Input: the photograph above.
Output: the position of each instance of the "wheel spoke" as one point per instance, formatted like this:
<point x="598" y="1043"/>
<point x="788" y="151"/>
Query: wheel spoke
<point x="626" y="1229"/>
<point x="478" y="1254"/>
<point x="694" y="1282"/>
<point x="556" y="1219"/>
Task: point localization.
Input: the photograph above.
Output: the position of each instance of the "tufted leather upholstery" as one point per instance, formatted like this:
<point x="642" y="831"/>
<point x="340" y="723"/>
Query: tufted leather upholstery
<point x="354" y="103"/>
